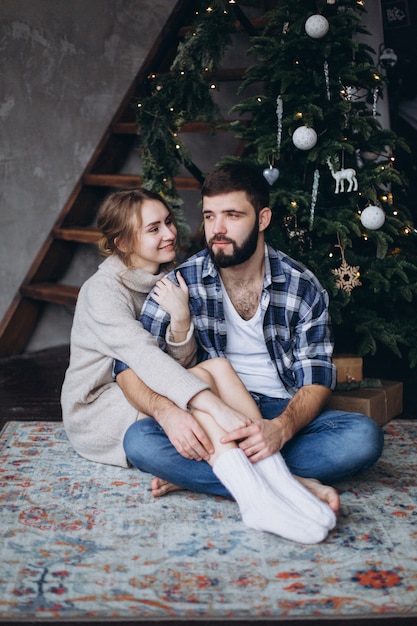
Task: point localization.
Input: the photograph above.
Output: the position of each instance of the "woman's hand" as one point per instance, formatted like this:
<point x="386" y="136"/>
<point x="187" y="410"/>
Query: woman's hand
<point x="174" y="300"/>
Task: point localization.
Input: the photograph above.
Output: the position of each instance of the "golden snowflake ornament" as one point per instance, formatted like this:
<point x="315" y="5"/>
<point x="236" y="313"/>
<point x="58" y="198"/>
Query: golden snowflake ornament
<point x="347" y="276"/>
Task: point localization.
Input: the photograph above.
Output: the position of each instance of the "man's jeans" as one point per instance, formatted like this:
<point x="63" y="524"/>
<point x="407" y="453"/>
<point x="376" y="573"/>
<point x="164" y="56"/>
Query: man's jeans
<point x="334" y="446"/>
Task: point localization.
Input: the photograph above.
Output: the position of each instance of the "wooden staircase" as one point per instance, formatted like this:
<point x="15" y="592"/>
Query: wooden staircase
<point x="74" y="225"/>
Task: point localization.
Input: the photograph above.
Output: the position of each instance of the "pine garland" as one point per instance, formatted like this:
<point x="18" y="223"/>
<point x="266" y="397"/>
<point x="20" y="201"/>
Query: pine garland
<point x="180" y="96"/>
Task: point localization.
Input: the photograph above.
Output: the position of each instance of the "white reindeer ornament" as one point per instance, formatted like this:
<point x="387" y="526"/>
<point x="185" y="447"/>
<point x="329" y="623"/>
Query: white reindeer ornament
<point x="348" y="174"/>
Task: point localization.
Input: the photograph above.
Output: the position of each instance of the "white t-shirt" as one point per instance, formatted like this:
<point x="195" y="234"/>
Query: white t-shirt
<point x="247" y="352"/>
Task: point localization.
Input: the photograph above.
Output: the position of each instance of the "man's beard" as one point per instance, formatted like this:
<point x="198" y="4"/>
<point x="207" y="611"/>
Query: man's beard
<point x="240" y="254"/>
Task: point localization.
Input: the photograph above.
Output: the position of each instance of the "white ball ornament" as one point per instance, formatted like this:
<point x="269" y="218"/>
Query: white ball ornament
<point x="304" y="138"/>
<point x="316" y="26"/>
<point x="372" y="217"/>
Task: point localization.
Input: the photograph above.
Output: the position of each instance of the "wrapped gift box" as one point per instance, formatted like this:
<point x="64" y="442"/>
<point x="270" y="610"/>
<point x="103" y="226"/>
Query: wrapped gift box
<point x="349" y="367"/>
<point x="380" y="403"/>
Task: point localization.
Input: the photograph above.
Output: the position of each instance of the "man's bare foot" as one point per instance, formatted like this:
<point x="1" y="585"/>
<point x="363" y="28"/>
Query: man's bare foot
<point x="325" y="493"/>
<point x="161" y="487"/>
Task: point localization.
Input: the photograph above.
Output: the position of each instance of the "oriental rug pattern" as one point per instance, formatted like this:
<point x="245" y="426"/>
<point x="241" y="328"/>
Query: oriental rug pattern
<point x="86" y="541"/>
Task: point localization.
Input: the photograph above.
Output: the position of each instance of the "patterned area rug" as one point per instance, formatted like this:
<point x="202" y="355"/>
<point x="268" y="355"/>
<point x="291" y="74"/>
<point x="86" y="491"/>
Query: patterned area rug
<point x="86" y="541"/>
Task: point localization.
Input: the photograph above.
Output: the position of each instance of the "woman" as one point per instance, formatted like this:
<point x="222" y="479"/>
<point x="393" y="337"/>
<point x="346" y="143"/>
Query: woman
<point x="139" y="238"/>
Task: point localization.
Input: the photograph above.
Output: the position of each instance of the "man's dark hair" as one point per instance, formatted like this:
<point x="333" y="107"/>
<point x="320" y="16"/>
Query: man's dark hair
<point x="238" y="177"/>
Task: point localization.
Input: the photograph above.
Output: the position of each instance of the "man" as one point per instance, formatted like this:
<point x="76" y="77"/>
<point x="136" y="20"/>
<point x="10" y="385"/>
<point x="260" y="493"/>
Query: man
<point x="269" y="316"/>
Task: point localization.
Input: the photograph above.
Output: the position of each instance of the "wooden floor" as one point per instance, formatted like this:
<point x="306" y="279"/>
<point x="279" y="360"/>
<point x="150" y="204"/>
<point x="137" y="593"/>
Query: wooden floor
<point x="30" y="386"/>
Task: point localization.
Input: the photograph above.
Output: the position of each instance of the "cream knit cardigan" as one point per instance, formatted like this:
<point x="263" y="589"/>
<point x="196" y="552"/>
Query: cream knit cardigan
<point x="95" y="412"/>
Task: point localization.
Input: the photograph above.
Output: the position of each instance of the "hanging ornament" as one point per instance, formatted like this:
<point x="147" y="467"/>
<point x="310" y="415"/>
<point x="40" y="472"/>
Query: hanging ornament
<point x="375" y="101"/>
<point x="372" y="217"/>
<point x="279" y="112"/>
<point x="294" y="232"/>
<point x="326" y="78"/>
<point x="348" y="174"/>
<point x="369" y="155"/>
<point x="347" y="276"/>
<point x="314" y="193"/>
<point x="271" y="174"/>
<point x="317" y="26"/>
<point x="304" y="138"/>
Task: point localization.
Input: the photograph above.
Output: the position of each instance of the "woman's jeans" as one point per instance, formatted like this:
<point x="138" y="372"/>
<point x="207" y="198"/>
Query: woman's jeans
<point x="334" y="446"/>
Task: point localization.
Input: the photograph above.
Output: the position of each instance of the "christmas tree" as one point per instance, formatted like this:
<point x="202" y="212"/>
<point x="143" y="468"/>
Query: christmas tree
<point x="339" y="203"/>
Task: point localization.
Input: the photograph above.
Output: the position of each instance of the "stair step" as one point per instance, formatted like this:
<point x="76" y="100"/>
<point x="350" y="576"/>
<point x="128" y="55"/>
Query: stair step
<point x="51" y="292"/>
<point x="78" y="234"/>
<point x="121" y="181"/>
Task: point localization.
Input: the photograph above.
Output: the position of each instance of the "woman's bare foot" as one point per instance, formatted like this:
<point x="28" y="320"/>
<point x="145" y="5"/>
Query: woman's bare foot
<point x="325" y="493"/>
<point x="161" y="487"/>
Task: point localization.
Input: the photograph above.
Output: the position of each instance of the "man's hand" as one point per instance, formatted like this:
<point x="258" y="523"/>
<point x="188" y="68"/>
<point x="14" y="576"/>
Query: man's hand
<point x="260" y="439"/>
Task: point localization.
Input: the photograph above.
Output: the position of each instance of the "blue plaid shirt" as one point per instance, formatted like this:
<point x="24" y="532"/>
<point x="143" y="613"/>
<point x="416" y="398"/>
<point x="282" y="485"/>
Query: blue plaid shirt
<point x="296" y="328"/>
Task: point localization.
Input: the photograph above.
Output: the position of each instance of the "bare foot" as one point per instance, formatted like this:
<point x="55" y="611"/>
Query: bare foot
<point x="161" y="487"/>
<point x="325" y="493"/>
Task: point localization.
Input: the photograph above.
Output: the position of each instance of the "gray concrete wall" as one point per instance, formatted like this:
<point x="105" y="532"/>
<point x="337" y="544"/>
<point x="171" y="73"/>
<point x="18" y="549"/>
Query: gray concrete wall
<point x="65" y="65"/>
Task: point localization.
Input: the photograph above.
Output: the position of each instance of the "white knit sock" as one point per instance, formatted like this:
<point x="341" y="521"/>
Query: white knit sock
<point x="262" y="508"/>
<point x="274" y="470"/>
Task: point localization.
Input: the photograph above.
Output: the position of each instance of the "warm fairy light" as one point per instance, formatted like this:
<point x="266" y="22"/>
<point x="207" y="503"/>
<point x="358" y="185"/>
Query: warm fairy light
<point x="259" y="99"/>
<point x="177" y="145"/>
<point x="139" y="105"/>
<point x="171" y="109"/>
<point x="384" y="198"/>
<point x="209" y="9"/>
<point x="298" y="115"/>
<point x="395" y="212"/>
<point x="376" y="77"/>
<point x="213" y="86"/>
<point x="406" y="231"/>
<point x="293" y="204"/>
<point x="365" y="237"/>
<point x="152" y="76"/>
<point x="182" y="73"/>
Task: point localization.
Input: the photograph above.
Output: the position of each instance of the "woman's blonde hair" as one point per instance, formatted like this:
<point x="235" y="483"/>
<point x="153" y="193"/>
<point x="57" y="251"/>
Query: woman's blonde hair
<point x="119" y="217"/>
